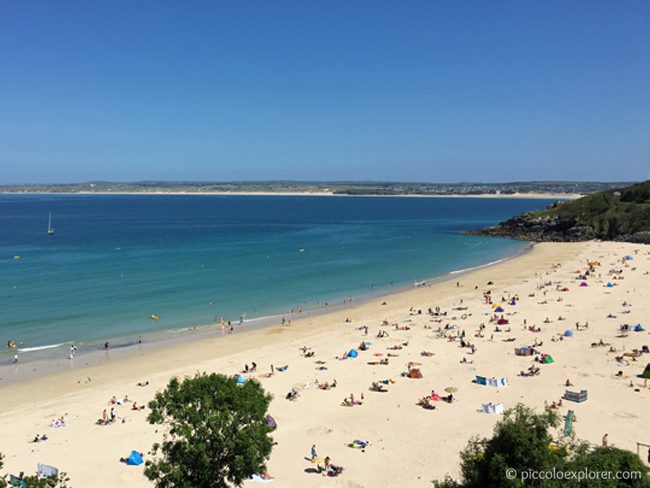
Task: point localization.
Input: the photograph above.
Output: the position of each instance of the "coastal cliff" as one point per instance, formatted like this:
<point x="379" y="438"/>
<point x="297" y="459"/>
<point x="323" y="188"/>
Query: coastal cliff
<point x="615" y="215"/>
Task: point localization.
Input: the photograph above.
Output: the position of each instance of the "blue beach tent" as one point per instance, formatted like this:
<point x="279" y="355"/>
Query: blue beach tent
<point x="240" y="379"/>
<point x="568" y="333"/>
<point x="352" y="353"/>
<point x="638" y="328"/>
<point x="135" y="459"/>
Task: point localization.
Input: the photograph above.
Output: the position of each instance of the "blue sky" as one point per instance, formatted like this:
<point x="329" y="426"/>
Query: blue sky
<point x="435" y="91"/>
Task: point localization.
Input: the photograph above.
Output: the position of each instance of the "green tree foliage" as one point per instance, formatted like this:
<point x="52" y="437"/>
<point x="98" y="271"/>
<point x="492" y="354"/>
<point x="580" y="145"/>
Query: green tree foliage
<point x="523" y="443"/>
<point x="607" y="459"/>
<point x="217" y="435"/>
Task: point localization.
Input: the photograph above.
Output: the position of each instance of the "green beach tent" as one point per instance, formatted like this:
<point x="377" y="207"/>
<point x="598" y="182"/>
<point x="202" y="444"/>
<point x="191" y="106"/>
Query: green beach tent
<point x="646" y="372"/>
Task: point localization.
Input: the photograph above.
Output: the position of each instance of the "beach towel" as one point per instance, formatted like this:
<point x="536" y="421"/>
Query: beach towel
<point x="568" y="423"/>
<point x="258" y="479"/>
<point x="480" y="380"/>
<point x="358" y="444"/>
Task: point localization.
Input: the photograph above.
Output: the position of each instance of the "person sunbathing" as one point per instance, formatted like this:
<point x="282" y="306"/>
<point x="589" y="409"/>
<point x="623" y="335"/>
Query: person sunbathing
<point x="331" y="469"/>
<point x="143" y="384"/>
<point x="292" y="395"/>
<point x="56" y="423"/>
<point x="568" y="382"/>
<point x="377" y="387"/>
<point x="425" y="403"/>
<point x="136" y="407"/>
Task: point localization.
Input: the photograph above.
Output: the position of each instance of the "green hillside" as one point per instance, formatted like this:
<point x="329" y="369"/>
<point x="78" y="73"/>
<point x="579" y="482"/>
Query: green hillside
<point x="621" y="214"/>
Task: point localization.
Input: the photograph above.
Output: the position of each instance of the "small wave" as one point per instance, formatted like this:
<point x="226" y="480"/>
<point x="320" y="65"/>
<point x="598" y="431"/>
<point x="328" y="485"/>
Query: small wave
<point x="38" y="348"/>
<point x="465" y="270"/>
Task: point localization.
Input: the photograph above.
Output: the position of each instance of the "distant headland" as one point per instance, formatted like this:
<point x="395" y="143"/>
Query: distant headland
<point x="532" y="189"/>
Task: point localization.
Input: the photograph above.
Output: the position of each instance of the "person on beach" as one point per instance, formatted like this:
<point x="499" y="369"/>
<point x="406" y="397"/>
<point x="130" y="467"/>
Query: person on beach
<point x="107" y="346"/>
<point x="314" y="455"/>
<point x="605" y="440"/>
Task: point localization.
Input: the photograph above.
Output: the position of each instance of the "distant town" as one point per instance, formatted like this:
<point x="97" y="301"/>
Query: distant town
<point x="334" y="188"/>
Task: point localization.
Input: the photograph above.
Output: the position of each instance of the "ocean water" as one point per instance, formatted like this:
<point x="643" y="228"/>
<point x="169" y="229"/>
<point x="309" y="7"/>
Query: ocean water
<point x="115" y="260"/>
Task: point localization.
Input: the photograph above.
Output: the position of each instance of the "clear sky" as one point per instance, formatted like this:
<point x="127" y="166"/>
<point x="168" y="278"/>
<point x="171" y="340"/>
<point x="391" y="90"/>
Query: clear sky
<point x="438" y="91"/>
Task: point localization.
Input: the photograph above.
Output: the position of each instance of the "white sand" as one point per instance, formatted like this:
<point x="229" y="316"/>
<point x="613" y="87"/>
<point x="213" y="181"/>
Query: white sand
<point x="410" y="445"/>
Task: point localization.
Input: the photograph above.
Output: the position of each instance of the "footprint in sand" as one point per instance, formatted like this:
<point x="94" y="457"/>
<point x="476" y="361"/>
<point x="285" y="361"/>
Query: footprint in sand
<point x="320" y="430"/>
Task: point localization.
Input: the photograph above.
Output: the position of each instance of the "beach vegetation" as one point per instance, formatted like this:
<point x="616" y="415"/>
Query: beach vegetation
<point x="216" y="432"/>
<point x="524" y="442"/>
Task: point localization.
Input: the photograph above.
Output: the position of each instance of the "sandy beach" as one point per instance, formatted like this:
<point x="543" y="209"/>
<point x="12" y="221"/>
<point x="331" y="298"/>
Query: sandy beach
<point x="409" y="445"/>
<point x="549" y="196"/>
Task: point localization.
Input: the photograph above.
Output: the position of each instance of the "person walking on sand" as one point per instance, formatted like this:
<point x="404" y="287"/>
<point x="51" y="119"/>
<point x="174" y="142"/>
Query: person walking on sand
<point x="313" y="452"/>
<point x="605" y="440"/>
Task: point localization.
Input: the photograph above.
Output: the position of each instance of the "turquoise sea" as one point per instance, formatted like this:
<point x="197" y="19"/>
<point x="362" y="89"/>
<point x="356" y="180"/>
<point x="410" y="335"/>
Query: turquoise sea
<point x="115" y="260"/>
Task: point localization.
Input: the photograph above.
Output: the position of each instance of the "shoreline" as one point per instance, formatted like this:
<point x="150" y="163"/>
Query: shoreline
<point x="399" y="430"/>
<point x="536" y="196"/>
<point x="52" y="359"/>
<point x="304" y="325"/>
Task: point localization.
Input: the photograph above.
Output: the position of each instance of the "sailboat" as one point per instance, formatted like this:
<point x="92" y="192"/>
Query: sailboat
<point x="50" y="229"/>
